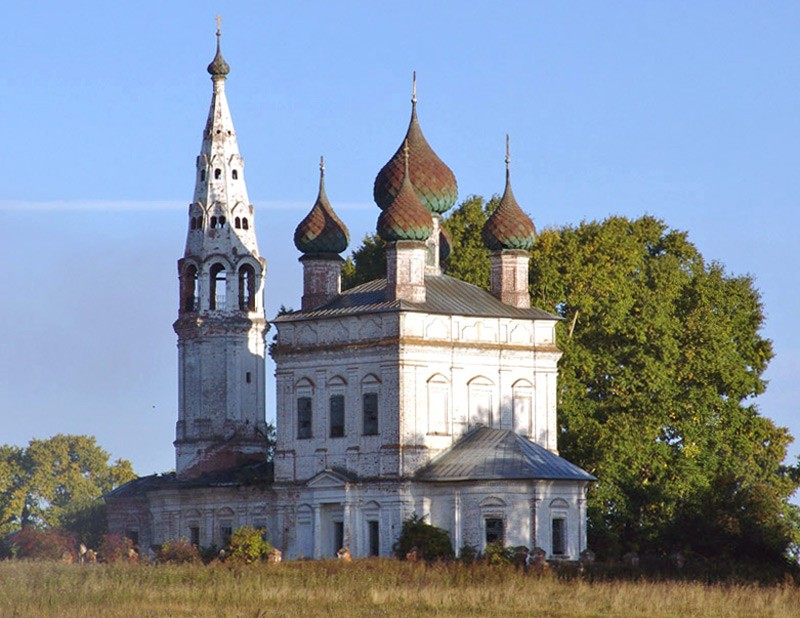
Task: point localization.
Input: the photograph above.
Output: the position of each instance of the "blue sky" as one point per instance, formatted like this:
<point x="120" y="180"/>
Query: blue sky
<point x="689" y="111"/>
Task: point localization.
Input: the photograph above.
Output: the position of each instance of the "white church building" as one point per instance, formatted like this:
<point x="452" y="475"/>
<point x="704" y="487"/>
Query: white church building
<point x="417" y="394"/>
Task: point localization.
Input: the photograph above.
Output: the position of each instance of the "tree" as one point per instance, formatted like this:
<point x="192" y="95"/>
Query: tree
<point x="50" y="481"/>
<point x="432" y="542"/>
<point x="662" y="358"/>
<point x="367" y="263"/>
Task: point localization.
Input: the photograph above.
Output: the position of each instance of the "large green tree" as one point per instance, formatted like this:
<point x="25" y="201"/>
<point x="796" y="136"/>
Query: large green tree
<point x="662" y="358"/>
<point x="53" y="482"/>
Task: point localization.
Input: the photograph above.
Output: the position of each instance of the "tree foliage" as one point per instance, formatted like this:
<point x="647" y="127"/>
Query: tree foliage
<point x="47" y="483"/>
<point x="248" y="545"/>
<point x="432" y="542"/>
<point x="662" y="359"/>
<point x="367" y="263"/>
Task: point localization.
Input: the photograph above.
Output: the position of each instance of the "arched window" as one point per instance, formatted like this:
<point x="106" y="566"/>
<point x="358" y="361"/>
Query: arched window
<point x="438" y="405"/>
<point x="213" y="223"/>
<point x="481" y="402"/>
<point x="221" y="222"/>
<point x="521" y="407"/>
<point x="305" y="396"/>
<point x="370" y="386"/>
<point x="336" y="404"/>
<point x="245" y="225"/>
<point x="217" y="173"/>
<point x="247" y="288"/>
<point x="235" y="175"/>
<point x="237" y="223"/>
<point x="202" y="175"/>
<point x="217" y="286"/>
<point x="189" y="289"/>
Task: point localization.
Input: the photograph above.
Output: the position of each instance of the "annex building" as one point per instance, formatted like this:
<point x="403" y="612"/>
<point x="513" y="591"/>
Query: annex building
<point x="414" y="394"/>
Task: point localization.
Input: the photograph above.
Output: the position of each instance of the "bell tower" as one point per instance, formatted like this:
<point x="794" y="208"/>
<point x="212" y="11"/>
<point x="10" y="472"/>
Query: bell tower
<point x="221" y="325"/>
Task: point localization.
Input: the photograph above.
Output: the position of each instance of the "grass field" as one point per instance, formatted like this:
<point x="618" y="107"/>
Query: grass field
<point x="361" y="588"/>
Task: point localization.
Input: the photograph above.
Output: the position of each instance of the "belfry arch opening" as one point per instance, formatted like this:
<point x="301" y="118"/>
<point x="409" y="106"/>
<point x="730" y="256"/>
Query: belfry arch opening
<point x="189" y="287"/>
<point x="247" y="288"/>
<point x="217" y="279"/>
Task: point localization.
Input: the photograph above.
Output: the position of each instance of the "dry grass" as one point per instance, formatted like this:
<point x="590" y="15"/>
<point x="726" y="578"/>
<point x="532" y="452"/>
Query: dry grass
<point x="361" y="588"/>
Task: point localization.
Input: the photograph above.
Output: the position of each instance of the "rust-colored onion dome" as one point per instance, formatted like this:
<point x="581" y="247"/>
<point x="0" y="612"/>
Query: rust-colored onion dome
<point x="405" y="218"/>
<point x="321" y="231"/>
<point x="445" y="244"/>
<point x="509" y="227"/>
<point x="218" y="66"/>
<point x="434" y="182"/>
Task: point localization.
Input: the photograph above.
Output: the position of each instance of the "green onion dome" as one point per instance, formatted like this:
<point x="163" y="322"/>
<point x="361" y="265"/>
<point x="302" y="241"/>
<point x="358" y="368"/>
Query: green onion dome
<point x="434" y="182"/>
<point x="405" y="218"/>
<point x="508" y="227"/>
<point x="321" y="231"/>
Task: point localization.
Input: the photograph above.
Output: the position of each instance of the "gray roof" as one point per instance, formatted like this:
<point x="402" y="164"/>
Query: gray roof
<point x="444" y="295"/>
<point x="486" y="454"/>
<point x="245" y="474"/>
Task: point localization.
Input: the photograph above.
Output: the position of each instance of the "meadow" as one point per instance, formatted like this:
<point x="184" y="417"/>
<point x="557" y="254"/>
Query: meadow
<point x="362" y="588"/>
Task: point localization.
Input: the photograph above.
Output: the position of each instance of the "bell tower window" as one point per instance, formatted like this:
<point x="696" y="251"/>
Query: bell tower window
<point x="189" y="289"/>
<point x="217" y="173"/>
<point x="202" y="175"/>
<point x="247" y="288"/>
<point x="235" y="175"/>
<point x="217" y="286"/>
<point x="245" y="225"/>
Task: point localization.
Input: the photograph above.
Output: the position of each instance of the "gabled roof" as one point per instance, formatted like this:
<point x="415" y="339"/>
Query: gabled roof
<point x="247" y="474"/>
<point x="486" y="454"/>
<point x="443" y="295"/>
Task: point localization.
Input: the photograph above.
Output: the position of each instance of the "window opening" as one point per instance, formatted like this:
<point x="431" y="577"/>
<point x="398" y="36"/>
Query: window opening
<point x="245" y="225"/>
<point x="303" y="417"/>
<point x="337" y="416"/>
<point x="237" y="223"/>
<point x="202" y="175"/>
<point x="218" y="282"/>
<point x="559" y="536"/>
<point x="370" y="403"/>
<point x="248" y="377"/>
<point x="374" y="538"/>
<point x="213" y="223"/>
<point x="217" y="173"/>
<point x="247" y="288"/>
<point x="338" y="536"/>
<point x="221" y="222"/>
<point x="225" y="533"/>
<point x="495" y="530"/>
<point x="194" y="535"/>
<point x="192" y="223"/>
<point x="189" y="288"/>
<point x="235" y="175"/>
<point x="133" y="535"/>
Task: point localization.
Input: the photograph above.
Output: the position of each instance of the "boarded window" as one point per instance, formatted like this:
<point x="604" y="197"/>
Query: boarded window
<point x="559" y="536"/>
<point x="337" y="416"/>
<point x="438" y="405"/>
<point x="370" y="403"/>
<point x="373" y="530"/>
<point x="303" y="417"/>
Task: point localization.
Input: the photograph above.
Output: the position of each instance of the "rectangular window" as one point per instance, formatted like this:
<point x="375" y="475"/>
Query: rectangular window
<point x="337" y="416"/>
<point x="370" y="402"/>
<point x="225" y="532"/>
<point x="194" y="535"/>
<point x="559" y="536"/>
<point x="373" y="530"/>
<point x="248" y="377"/>
<point x="495" y="531"/>
<point x="304" y="417"/>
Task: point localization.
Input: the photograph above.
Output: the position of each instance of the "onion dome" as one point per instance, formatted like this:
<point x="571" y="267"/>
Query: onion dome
<point x="445" y="244"/>
<point x="218" y="66"/>
<point x="434" y="182"/>
<point x="405" y="218"/>
<point x="509" y="227"/>
<point x="321" y="231"/>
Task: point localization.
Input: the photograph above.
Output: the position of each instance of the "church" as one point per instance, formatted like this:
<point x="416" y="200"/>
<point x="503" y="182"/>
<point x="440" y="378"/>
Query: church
<point x="417" y="394"/>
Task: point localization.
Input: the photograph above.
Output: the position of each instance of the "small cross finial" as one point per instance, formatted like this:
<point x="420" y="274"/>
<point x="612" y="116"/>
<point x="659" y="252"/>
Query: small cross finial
<point x="219" y="25"/>
<point x="322" y="165"/>
<point x="508" y="152"/>
<point x="414" y="88"/>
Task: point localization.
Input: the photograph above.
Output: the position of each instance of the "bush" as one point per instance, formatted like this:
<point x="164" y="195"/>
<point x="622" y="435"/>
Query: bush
<point x="38" y="544"/>
<point x="115" y="548"/>
<point x="247" y="545"/>
<point x="431" y="542"/>
<point x="468" y="554"/>
<point x="179" y="551"/>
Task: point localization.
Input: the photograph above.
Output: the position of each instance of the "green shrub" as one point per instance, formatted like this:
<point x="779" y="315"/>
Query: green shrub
<point x="247" y="545"/>
<point x="179" y="551"/>
<point x="468" y="554"/>
<point x="431" y="542"/>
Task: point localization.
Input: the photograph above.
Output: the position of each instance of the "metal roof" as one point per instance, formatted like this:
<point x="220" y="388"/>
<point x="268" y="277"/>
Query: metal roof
<point x="486" y="454"/>
<point x="444" y="295"/>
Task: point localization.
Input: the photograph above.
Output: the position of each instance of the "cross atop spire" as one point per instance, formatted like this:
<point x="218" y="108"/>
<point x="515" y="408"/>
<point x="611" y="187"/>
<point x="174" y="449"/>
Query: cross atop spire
<point x="219" y="24"/>
<point x="508" y="156"/>
<point x="218" y="67"/>
<point x="414" y="88"/>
